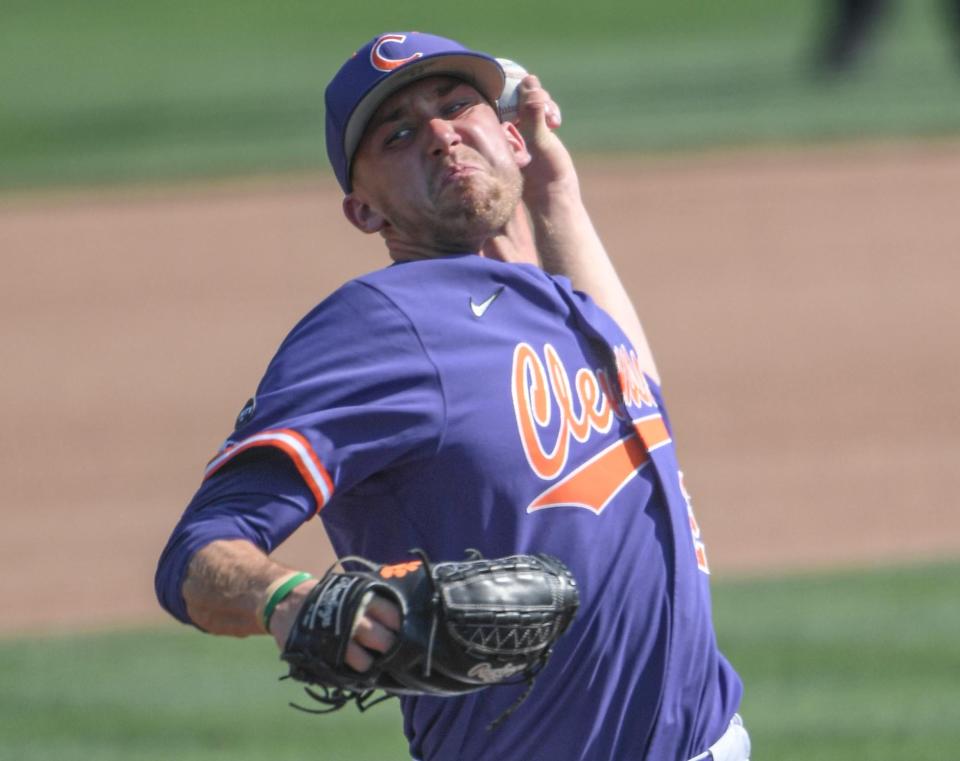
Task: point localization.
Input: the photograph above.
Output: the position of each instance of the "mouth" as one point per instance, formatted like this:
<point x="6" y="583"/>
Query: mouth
<point x="451" y="175"/>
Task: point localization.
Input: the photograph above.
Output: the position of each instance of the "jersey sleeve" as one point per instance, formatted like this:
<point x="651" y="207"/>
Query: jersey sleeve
<point x="350" y="392"/>
<point x="245" y="503"/>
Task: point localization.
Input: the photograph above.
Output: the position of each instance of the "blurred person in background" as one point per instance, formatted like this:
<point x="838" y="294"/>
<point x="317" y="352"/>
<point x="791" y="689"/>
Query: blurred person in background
<point x="850" y="25"/>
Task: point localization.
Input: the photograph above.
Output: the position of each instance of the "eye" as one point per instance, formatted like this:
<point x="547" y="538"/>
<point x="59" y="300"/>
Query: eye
<point x="397" y="136"/>
<point x="456" y="106"/>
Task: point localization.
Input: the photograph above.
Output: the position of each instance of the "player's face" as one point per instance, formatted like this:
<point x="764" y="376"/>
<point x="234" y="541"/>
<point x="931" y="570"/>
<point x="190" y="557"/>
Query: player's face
<point x="436" y="170"/>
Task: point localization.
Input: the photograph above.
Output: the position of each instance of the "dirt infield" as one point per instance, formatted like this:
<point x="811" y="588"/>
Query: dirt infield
<point x="802" y="306"/>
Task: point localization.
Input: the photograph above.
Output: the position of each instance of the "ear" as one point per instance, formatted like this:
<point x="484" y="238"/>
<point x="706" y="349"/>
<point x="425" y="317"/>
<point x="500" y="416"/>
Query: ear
<point x="517" y="144"/>
<point x="362" y="215"/>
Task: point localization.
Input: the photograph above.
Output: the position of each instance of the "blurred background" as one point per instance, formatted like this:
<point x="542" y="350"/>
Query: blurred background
<point x="777" y="184"/>
<point x="108" y="91"/>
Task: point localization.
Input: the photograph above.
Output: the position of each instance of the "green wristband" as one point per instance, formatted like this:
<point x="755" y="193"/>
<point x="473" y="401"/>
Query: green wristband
<point x="280" y="593"/>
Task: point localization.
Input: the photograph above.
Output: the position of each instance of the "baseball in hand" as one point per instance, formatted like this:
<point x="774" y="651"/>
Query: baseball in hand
<point x="508" y="100"/>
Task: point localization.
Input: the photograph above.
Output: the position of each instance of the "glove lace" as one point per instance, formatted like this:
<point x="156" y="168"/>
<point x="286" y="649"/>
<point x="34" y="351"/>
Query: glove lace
<point x="335" y="698"/>
<point x="495" y="724"/>
<point x="425" y="559"/>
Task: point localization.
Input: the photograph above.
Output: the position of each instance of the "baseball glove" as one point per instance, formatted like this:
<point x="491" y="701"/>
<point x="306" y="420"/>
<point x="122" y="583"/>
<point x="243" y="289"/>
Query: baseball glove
<point x="465" y="626"/>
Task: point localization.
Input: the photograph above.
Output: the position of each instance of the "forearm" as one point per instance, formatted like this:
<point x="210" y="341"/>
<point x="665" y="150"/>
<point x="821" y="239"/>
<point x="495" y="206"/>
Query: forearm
<point x="567" y="242"/>
<point x="569" y="245"/>
<point x="229" y="582"/>
<point x="226" y="585"/>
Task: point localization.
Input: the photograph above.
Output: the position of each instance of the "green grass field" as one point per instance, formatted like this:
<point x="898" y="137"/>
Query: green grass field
<point x="102" y="91"/>
<point x="837" y="667"/>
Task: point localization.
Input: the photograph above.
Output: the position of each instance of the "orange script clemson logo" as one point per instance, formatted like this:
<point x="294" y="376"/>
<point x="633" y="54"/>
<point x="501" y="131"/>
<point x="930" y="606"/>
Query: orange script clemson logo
<point x="542" y="388"/>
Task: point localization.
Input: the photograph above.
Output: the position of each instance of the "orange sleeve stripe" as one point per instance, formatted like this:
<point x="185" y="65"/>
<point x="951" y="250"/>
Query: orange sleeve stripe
<point x="294" y="446"/>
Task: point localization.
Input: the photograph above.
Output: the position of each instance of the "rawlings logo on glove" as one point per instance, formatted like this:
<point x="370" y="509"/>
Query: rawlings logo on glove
<point x="489" y="674"/>
<point x="466" y="626"/>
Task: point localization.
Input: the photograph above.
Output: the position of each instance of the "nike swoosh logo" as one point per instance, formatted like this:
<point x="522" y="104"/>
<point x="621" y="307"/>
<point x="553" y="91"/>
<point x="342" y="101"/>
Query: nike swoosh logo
<point x="480" y="309"/>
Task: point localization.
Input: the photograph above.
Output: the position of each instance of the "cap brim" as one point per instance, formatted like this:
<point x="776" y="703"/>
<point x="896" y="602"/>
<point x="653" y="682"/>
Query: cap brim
<point x="481" y="71"/>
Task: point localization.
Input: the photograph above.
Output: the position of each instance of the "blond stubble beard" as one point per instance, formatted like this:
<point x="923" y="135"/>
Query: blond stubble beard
<point x="462" y="221"/>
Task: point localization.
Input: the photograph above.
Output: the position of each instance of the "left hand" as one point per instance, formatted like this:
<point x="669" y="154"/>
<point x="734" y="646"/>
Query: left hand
<point x="374" y="631"/>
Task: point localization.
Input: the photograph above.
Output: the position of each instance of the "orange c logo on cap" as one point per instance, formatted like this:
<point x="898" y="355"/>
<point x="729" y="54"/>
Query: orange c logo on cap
<point x="381" y="62"/>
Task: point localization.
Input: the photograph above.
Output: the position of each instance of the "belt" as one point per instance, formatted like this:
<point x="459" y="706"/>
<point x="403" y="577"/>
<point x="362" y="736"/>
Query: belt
<point x="734" y="745"/>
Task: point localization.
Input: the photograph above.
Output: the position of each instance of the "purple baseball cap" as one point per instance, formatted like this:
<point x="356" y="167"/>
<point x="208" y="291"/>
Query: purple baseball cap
<point x="384" y="65"/>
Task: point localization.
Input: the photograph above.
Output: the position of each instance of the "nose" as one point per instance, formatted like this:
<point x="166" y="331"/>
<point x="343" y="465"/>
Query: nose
<point x="443" y="136"/>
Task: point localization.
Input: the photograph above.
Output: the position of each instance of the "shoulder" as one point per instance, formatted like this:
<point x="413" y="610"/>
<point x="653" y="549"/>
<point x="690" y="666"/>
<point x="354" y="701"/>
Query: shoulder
<point x="354" y="348"/>
<point x="450" y="271"/>
<point x="358" y="325"/>
<point x="421" y="288"/>
<point x="360" y="313"/>
<point x="355" y="300"/>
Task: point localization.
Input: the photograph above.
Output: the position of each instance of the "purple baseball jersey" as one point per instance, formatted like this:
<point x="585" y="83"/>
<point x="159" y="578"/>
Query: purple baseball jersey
<point x="465" y="403"/>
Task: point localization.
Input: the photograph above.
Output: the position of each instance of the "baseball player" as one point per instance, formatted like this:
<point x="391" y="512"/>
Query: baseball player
<point x="481" y="392"/>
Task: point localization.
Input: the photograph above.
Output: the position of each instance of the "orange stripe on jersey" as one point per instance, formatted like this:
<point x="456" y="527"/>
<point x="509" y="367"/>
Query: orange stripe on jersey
<point x="652" y="431"/>
<point x="595" y="483"/>
<point x="599" y="479"/>
<point x="293" y="445"/>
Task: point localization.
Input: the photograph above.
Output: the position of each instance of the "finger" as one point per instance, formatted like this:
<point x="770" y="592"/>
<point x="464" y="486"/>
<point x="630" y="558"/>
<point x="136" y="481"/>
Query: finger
<point x="385" y="612"/>
<point x="532" y="108"/>
<point x="357" y="658"/>
<point x="533" y="91"/>
<point x="553" y="116"/>
<point x="536" y="92"/>
<point x="369" y="638"/>
<point x="373" y="635"/>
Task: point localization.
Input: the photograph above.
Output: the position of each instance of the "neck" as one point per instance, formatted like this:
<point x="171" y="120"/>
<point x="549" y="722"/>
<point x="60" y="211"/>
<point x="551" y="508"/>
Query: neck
<point x="514" y="243"/>
<point x="411" y="252"/>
